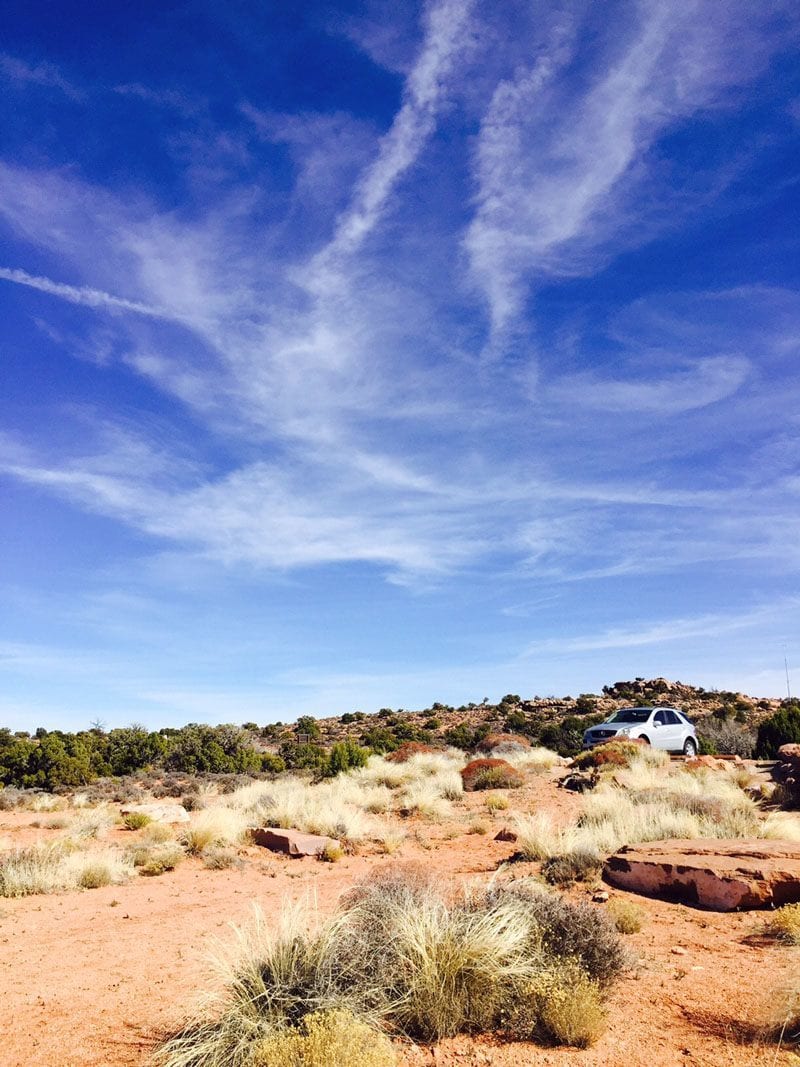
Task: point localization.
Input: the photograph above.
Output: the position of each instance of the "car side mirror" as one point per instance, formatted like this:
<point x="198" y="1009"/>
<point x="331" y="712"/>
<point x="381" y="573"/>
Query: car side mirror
<point x="656" y="724"/>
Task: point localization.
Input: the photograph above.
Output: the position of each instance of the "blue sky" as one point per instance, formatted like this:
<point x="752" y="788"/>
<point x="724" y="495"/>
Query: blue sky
<point x="364" y="354"/>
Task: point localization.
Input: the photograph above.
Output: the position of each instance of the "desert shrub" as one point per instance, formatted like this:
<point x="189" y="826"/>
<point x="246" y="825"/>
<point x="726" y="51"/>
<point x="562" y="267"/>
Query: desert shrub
<point x="344" y="756"/>
<point x="490" y="774"/>
<point x="10" y="798"/>
<point x="579" y="865"/>
<point x="406" y="957"/>
<point x="570" y="1008"/>
<point x="219" y="858"/>
<point x="726" y="736"/>
<point x="54" y="869"/>
<point x="496" y="802"/>
<point x="562" y="1006"/>
<point x="785" y="924"/>
<point x="408" y="749"/>
<point x="25" y="871"/>
<point x="157" y="859"/>
<point x="504" y="741"/>
<point x="537" y="837"/>
<point x="566" y="737"/>
<point x="136" y="820"/>
<point x="626" y="916"/>
<point x="157" y="833"/>
<point x="390" y="840"/>
<point x="572" y="930"/>
<point x="782" y="728"/>
<point x="327" y="1039"/>
<point x="214" y="826"/>
<point x="92" y="822"/>
<point x="331" y="854"/>
<point x="610" y="754"/>
<point x="465" y="737"/>
<point x="536" y="759"/>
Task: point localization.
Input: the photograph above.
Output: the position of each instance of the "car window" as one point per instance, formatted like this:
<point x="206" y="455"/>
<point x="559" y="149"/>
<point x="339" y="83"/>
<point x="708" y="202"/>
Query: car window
<point x="661" y="716"/>
<point x="630" y="715"/>
<point x="674" y="719"/>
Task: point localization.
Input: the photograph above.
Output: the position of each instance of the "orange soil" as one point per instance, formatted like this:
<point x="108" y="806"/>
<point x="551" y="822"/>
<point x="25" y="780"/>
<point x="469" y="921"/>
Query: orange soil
<point x="95" y="978"/>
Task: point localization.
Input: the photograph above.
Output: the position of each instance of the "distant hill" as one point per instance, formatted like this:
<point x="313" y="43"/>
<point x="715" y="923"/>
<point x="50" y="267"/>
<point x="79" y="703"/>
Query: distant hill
<point x="555" y="721"/>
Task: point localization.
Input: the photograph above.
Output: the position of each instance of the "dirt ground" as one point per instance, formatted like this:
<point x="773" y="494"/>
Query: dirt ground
<point x="96" y="977"/>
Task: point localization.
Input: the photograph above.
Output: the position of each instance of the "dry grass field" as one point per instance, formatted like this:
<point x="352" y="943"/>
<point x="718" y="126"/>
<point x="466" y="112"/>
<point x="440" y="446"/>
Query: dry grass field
<point x="113" y="934"/>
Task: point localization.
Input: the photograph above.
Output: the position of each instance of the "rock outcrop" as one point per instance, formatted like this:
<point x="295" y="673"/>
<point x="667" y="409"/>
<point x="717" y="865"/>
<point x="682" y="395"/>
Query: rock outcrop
<point x="787" y="773"/>
<point x="293" y="842"/>
<point x="713" y="874"/>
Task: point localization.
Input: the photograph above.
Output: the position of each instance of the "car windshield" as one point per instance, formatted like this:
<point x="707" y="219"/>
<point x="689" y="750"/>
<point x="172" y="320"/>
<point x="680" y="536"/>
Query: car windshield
<point x="631" y="715"/>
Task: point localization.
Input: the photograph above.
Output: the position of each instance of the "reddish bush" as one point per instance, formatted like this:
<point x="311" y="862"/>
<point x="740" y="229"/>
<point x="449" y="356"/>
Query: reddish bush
<point x="496" y="740"/>
<point x="409" y="749"/>
<point x="490" y="774"/>
<point x="611" y="754"/>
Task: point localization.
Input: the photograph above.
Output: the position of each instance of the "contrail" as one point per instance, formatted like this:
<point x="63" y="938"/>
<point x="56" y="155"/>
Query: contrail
<point x="80" y="295"/>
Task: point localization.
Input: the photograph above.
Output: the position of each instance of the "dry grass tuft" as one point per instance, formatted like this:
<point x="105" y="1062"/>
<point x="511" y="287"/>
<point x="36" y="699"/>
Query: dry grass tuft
<point x="56" y="868"/>
<point x="157" y="859"/>
<point x="626" y="915"/>
<point x="92" y="822"/>
<point x="785" y="924"/>
<point x="213" y="827"/>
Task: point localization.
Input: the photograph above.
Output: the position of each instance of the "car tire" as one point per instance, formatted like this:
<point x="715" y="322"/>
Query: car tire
<point x="690" y="747"/>
<point x="643" y="737"/>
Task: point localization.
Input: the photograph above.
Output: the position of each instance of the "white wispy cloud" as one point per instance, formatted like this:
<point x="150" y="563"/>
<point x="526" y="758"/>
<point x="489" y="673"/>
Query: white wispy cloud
<point x="44" y="74"/>
<point x="695" y="386"/>
<point x="446" y="36"/>
<point x="666" y="630"/>
<point x="557" y="170"/>
<point x="75" y="294"/>
<point x="343" y="378"/>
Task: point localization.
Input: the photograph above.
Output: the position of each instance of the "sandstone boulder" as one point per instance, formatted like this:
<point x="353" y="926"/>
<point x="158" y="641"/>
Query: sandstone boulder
<point x="713" y="763"/>
<point x="787" y="772"/>
<point x="292" y="842"/>
<point x="718" y="875"/>
<point x="171" y="813"/>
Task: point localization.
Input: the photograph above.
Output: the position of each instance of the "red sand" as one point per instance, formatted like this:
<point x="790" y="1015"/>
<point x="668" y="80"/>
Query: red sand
<point x="94" y="978"/>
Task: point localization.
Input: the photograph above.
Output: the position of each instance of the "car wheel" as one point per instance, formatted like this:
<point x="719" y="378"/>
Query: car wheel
<point x="643" y="737"/>
<point x="690" y="747"/>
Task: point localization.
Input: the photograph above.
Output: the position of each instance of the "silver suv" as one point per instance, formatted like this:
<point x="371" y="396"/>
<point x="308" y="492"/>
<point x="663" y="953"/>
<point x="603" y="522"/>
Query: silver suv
<point x="665" y="728"/>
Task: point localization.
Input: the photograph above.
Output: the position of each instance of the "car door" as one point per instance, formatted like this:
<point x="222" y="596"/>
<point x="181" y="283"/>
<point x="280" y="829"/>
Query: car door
<point x="679" y="730"/>
<point x="663" y="734"/>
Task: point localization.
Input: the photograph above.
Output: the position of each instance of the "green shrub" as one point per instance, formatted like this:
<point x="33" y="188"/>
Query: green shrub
<point x="135" y="820"/>
<point x="578" y="865"/>
<point x="782" y="728"/>
<point x="344" y="756"/>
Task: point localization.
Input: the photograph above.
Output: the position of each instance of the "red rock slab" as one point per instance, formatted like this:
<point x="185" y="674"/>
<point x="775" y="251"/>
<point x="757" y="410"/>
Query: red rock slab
<point x="712" y="874"/>
<point x="292" y="842"/>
